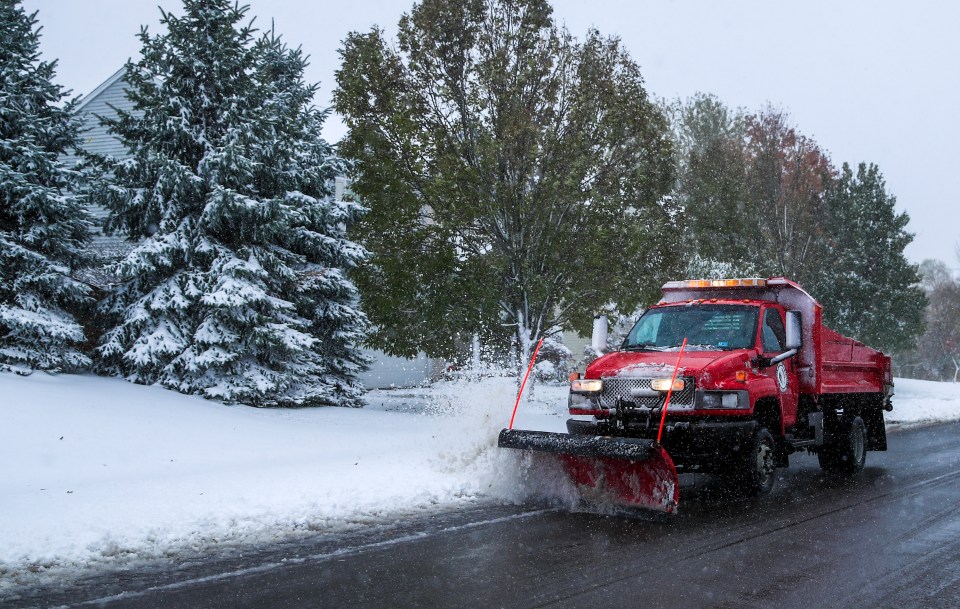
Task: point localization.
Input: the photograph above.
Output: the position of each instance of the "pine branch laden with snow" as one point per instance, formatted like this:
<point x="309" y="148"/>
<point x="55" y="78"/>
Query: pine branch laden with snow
<point x="238" y="291"/>
<point x="43" y="225"/>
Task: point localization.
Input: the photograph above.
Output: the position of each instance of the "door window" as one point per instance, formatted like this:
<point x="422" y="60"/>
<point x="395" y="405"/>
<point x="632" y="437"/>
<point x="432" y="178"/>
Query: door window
<point x="774" y="335"/>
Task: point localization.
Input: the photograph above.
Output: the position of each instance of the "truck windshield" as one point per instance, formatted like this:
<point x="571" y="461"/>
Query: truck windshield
<point x="705" y="326"/>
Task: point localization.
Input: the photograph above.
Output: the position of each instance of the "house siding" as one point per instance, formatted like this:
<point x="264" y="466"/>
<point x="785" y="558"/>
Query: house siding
<point x="387" y="372"/>
<point x="577" y="344"/>
<point x="96" y="139"/>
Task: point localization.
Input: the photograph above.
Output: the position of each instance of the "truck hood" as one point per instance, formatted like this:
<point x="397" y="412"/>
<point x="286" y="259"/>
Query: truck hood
<point x="650" y="364"/>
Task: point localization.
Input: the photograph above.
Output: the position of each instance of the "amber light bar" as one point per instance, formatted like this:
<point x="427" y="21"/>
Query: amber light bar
<point x="748" y="282"/>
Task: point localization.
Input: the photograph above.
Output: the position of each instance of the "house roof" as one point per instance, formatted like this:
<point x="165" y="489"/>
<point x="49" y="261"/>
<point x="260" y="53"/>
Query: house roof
<point x="96" y="92"/>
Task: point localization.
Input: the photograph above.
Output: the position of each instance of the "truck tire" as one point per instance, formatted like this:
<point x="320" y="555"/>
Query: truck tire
<point x="846" y="450"/>
<point x="753" y="472"/>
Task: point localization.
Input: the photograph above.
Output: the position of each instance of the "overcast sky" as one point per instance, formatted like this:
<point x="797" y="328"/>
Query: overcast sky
<point x="869" y="80"/>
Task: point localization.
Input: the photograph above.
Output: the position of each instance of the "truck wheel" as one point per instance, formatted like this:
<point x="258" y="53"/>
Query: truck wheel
<point x="753" y="472"/>
<point x="846" y="452"/>
<point x="577" y="427"/>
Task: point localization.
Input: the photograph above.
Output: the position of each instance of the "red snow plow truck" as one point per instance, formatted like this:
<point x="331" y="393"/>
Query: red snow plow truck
<point x="728" y="377"/>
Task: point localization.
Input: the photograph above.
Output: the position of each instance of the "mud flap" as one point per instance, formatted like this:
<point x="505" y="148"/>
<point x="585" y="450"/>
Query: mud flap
<point x="876" y="430"/>
<point x="630" y="471"/>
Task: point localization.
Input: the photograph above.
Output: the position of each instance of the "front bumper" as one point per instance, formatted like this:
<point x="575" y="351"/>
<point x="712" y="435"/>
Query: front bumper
<point x="707" y="444"/>
<point x="704" y="445"/>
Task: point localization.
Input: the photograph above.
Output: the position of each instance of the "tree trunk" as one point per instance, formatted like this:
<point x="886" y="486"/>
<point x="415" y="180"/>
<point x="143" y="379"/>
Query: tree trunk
<point x="476" y="363"/>
<point x="525" y="342"/>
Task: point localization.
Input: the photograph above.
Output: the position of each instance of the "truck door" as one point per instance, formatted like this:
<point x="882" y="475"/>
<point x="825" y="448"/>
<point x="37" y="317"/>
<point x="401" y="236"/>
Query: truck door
<point x="773" y="337"/>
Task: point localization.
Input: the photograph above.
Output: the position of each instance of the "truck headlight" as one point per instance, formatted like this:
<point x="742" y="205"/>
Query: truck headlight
<point x="586" y="386"/>
<point x="664" y="384"/>
<point x="723" y="399"/>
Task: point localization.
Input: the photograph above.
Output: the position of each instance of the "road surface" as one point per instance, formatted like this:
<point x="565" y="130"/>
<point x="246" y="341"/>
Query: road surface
<point x="887" y="538"/>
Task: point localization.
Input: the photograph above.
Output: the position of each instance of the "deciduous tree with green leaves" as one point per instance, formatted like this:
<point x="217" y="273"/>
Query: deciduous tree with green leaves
<point x="516" y="178"/>
<point x="711" y="160"/>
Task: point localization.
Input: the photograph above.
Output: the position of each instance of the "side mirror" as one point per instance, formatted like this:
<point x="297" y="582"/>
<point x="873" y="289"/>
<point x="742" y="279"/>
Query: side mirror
<point x="794" y="339"/>
<point x="794" y="330"/>
<point x="599" y="338"/>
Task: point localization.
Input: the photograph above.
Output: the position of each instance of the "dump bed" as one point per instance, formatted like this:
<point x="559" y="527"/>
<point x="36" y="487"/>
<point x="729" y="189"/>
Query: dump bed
<point x="828" y="362"/>
<point x="849" y="366"/>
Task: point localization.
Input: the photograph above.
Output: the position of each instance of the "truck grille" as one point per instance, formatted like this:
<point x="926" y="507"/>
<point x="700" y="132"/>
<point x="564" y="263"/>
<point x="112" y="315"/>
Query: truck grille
<point x="620" y="387"/>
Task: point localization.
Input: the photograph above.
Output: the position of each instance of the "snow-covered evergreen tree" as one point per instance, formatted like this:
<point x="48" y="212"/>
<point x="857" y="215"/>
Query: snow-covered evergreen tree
<point x="868" y="288"/>
<point x="238" y="290"/>
<point x="43" y="225"/>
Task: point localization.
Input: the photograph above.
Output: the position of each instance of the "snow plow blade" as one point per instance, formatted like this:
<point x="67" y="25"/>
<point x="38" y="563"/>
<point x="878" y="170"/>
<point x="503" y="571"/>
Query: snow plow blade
<point x="632" y="472"/>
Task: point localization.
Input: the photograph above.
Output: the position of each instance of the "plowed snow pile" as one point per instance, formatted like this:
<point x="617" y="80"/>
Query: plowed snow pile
<point x="100" y="471"/>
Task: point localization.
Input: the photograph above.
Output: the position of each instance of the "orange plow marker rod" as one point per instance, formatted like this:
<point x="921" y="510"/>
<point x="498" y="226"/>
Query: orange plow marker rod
<point x="524" y="383"/>
<point x="666" y="404"/>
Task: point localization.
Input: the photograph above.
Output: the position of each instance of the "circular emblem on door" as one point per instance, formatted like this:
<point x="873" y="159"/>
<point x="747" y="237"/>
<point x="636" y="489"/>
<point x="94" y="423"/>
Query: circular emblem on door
<point x="782" y="377"/>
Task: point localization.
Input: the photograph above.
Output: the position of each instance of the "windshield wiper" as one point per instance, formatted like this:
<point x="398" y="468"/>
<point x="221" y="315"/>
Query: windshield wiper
<point x="642" y="347"/>
<point x="691" y="347"/>
<point x="707" y="347"/>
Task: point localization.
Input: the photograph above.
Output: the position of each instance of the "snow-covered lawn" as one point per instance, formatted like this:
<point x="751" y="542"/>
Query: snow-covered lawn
<point x="918" y="402"/>
<point x="99" y="471"/>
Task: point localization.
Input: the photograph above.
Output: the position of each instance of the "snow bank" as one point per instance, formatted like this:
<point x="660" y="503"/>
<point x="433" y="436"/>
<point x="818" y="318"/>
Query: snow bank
<point x="918" y="401"/>
<point x="100" y="471"/>
<point x="103" y="471"/>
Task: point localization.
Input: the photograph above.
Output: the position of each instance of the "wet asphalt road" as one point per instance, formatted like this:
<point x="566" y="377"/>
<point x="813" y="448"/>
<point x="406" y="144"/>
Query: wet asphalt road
<point x="887" y="538"/>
